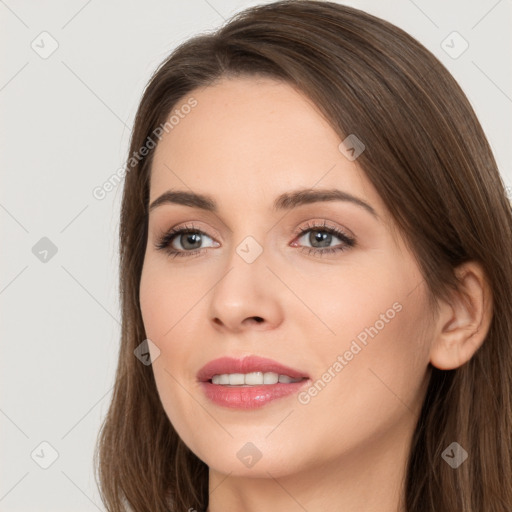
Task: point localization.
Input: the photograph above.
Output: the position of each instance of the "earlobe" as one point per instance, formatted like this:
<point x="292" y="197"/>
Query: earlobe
<point x="463" y="323"/>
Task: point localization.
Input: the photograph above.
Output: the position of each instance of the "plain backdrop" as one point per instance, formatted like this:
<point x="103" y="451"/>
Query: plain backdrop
<point x="71" y="78"/>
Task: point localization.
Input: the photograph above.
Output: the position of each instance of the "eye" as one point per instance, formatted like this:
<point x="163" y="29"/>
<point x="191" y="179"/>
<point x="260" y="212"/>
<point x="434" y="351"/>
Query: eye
<point x="183" y="241"/>
<point x="321" y="235"/>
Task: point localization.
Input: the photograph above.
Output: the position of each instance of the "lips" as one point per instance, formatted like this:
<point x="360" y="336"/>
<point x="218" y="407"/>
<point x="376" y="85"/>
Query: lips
<point x="246" y="365"/>
<point x="254" y="396"/>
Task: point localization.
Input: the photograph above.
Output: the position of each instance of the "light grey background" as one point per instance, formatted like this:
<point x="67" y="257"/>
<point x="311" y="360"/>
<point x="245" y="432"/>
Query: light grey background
<point x="65" y="122"/>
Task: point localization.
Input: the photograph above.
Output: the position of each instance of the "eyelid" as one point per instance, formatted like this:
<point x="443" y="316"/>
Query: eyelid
<point x="192" y="225"/>
<point x="323" y="224"/>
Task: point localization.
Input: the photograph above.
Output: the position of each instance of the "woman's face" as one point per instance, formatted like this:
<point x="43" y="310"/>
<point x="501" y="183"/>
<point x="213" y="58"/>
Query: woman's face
<point x="320" y="286"/>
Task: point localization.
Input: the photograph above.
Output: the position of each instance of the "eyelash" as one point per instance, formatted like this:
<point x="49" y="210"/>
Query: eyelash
<point x="165" y="240"/>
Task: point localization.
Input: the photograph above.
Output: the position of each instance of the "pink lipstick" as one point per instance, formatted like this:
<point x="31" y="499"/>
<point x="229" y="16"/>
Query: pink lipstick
<point x="250" y="382"/>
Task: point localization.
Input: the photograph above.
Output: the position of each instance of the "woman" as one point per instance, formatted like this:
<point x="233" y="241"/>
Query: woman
<point x="315" y="273"/>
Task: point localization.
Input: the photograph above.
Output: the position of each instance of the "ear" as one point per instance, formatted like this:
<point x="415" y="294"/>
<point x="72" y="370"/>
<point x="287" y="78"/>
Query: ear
<point x="463" y="323"/>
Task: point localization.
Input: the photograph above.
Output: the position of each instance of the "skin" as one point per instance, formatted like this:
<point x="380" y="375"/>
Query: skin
<point x="247" y="141"/>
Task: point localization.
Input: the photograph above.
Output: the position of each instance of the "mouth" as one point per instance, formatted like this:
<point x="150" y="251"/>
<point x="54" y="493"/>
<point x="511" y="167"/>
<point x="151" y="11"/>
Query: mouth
<point x="250" y="382"/>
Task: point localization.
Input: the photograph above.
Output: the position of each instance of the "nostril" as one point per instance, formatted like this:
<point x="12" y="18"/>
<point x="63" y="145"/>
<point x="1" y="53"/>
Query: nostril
<point x="258" y="319"/>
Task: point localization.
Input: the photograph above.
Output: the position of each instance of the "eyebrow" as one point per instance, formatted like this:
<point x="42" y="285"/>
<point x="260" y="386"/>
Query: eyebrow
<point x="285" y="201"/>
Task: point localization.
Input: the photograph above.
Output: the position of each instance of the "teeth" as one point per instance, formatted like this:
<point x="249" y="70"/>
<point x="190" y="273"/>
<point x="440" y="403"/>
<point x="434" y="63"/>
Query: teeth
<point x="270" y="378"/>
<point x="251" y="379"/>
<point x="285" y="379"/>
<point x="236" y="379"/>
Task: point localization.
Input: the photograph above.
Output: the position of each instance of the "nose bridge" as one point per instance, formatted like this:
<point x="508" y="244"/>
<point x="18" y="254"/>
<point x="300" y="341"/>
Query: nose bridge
<point x="247" y="269"/>
<point x="249" y="239"/>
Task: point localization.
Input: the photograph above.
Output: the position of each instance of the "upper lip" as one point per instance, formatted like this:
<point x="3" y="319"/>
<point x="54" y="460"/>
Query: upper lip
<point x="247" y="364"/>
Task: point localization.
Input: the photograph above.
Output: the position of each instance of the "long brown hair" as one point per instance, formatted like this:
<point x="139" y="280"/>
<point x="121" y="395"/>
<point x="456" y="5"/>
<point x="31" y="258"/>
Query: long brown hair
<point x="428" y="157"/>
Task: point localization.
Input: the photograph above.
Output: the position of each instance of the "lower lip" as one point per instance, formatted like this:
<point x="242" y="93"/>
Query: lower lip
<point x="249" y="397"/>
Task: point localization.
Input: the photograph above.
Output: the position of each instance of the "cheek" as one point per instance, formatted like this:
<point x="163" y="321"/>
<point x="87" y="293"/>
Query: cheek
<point x="379" y="356"/>
<point x="343" y="301"/>
<point x="166" y="295"/>
<point x="164" y="308"/>
<point x="377" y="315"/>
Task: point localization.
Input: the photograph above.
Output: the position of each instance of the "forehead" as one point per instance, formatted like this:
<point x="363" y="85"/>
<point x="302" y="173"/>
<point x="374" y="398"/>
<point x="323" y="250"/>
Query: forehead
<point x="252" y="138"/>
<point x="239" y="118"/>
